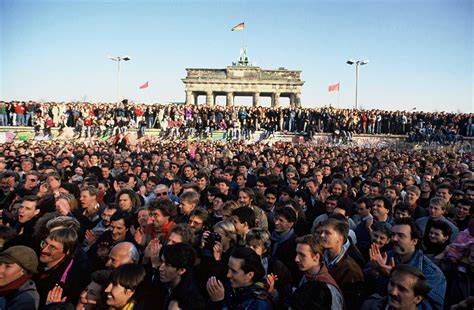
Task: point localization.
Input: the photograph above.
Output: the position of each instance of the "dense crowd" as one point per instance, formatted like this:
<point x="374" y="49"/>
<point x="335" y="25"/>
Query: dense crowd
<point x="184" y="120"/>
<point x="207" y="225"/>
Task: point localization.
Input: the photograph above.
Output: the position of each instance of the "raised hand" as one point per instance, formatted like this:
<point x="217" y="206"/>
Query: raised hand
<point x="90" y="237"/>
<point x="139" y="236"/>
<point x="271" y="279"/>
<point x="55" y="295"/>
<point x="217" y="251"/>
<point x="369" y="223"/>
<point x="203" y="239"/>
<point x="323" y="194"/>
<point x="152" y="252"/>
<point x="379" y="260"/>
<point x="215" y="289"/>
<point x="83" y="301"/>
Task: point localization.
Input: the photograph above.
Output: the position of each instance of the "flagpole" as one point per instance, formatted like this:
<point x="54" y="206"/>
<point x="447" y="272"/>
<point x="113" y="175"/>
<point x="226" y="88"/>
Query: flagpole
<point x="243" y="37"/>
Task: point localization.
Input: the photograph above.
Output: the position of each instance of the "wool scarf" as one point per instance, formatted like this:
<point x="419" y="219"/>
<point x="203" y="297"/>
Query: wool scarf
<point x="13" y="286"/>
<point x="279" y="239"/>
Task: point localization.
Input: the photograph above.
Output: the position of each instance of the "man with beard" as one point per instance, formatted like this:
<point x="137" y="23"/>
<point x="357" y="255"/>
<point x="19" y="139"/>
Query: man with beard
<point x="407" y="288"/>
<point x="198" y="221"/>
<point x="407" y="244"/>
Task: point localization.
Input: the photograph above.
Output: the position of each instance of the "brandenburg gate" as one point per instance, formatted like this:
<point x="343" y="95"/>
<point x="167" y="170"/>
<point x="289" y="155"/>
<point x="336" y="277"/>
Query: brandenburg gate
<point x="242" y="79"/>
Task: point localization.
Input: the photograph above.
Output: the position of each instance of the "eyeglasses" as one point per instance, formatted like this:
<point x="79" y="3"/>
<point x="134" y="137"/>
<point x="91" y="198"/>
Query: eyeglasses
<point x="161" y="194"/>
<point x="45" y="244"/>
<point x="32" y="180"/>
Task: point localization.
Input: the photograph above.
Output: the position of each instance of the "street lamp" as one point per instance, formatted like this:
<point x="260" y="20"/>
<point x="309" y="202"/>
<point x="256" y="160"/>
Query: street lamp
<point x="357" y="63"/>
<point x="119" y="59"/>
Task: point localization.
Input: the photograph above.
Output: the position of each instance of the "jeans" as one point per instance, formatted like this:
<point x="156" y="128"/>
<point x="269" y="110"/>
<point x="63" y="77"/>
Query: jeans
<point x="470" y="130"/>
<point x="20" y="119"/>
<point x="28" y="117"/>
<point x="3" y="119"/>
<point x="149" y="120"/>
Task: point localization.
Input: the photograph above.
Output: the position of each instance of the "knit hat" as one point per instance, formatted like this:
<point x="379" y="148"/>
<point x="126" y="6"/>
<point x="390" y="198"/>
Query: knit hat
<point x="24" y="256"/>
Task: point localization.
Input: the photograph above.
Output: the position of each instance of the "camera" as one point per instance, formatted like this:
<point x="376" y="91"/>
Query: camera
<point x="211" y="240"/>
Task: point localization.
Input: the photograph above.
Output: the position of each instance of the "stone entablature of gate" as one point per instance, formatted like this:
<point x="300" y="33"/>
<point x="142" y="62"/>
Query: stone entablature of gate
<point x="229" y="86"/>
<point x="245" y="90"/>
<point x="249" y="73"/>
<point x="201" y="82"/>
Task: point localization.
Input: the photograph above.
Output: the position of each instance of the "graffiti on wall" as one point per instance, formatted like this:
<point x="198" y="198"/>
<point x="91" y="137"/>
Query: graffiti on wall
<point x="374" y="142"/>
<point x="364" y="142"/>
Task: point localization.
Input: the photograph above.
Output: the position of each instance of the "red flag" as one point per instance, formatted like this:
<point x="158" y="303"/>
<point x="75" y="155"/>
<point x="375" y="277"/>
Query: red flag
<point x="334" y="87"/>
<point x="144" y="85"/>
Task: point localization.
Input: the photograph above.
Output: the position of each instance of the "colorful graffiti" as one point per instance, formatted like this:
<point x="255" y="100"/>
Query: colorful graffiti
<point x="374" y="142"/>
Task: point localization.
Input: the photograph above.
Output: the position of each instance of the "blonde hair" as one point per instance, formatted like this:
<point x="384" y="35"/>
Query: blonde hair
<point x="228" y="229"/>
<point x="71" y="200"/>
<point x="230" y="205"/>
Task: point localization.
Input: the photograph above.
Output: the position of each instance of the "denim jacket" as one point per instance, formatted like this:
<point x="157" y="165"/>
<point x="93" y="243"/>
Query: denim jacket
<point x="433" y="275"/>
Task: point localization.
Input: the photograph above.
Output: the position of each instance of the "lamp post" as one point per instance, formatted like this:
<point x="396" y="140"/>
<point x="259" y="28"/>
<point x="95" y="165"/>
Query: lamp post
<point x="119" y="59"/>
<point x="357" y="63"/>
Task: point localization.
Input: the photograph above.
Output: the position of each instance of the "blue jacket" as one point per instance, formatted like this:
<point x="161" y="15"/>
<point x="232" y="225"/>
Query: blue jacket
<point x="253" y="297"/>
<point x="434" y="277"/>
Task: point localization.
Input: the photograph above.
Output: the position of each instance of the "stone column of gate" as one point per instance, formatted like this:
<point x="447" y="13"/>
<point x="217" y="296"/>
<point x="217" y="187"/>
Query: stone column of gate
<point x="256" y="103"/>
<point x="230" y="99"/>
<point x="292" y="100"/>
<point x="297" y="99"/>
<point x="209" y="98"/>
<point x="276" y="100"/>
<point x="189" y="97"/>
<point x="195" y="95"/>
<point x="256" y="99"/>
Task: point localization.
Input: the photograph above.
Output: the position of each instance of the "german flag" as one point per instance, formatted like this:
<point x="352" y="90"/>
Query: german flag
<point x="240" y="26"/>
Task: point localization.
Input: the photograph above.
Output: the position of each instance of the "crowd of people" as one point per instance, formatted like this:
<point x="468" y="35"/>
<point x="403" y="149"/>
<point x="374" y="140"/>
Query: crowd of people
<point x="213" y="225"/>
<point x="174" y="120"/>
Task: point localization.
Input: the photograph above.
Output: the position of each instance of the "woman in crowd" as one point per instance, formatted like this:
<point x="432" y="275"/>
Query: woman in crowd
<point x="17" y="290"/>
